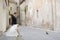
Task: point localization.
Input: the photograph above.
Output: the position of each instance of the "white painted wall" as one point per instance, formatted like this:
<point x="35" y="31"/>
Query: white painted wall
<point x="57" y="29"/>
<point x="3" y="17"/>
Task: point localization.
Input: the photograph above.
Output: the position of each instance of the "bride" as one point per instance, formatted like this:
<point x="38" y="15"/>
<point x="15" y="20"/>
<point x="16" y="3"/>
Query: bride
<point x="13" y="31"/>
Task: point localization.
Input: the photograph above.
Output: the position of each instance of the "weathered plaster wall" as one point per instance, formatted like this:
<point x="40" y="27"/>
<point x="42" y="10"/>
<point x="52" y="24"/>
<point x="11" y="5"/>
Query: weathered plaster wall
<point x="12" y="8"/>
<point x="22" y="13"/>
<point x="44" y="15"/>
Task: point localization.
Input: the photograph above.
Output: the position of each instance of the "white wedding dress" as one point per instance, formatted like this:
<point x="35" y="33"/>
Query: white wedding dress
<point x="12" y="31"/>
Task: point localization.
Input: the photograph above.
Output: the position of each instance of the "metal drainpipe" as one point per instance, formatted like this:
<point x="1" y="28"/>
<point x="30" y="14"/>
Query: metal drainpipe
<point x="19" y="14"/>
<point x="53" y="5"/>
<point x="26" y="12"/>
<point x="18" y="8"/>
<point x="52" y="13"/>
<point x="55" y="15"/>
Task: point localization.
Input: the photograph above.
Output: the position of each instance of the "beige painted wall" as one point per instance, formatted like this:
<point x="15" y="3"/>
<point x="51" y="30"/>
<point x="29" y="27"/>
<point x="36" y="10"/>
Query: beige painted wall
<point x="0" y="15"/>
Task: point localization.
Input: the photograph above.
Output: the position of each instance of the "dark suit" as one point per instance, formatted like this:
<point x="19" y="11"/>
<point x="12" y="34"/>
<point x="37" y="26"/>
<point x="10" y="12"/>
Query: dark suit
<point x="14" y="19"/>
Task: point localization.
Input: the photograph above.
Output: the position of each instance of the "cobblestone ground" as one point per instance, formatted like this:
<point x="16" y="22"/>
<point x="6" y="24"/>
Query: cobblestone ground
<point x="38" y="34"/>
<point x="4" y="37"/>
<point x="33" y="34"/>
